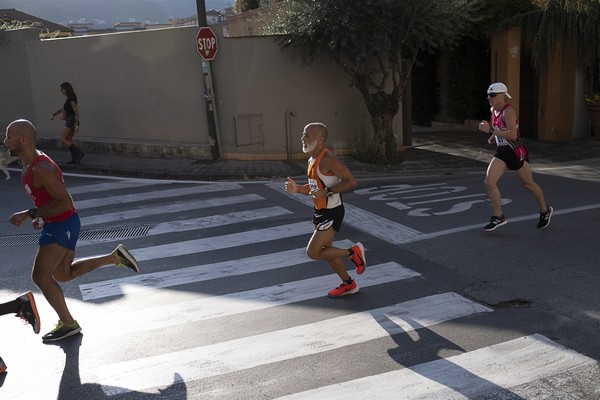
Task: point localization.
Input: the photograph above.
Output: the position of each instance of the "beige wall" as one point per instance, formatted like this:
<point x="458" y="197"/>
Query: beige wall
<point x="142" y="93"/>
<point x="506" y="62"/>
<point x="263" y="84"/>
<point x="561" y="112"/>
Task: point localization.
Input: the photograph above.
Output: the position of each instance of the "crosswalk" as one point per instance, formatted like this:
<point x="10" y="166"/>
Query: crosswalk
<point x="241" y="267"/>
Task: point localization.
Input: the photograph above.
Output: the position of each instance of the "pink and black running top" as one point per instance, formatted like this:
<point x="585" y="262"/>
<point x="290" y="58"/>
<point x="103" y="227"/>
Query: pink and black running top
<point x="498" y="122"/>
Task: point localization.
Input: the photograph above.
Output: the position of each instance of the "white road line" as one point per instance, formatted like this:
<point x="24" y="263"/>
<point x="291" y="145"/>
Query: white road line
<point x="176" y="207"/>
<point x="286" y="344"/>
<point x="367" y="222"/>
<point x="217" y="220"/>
<point x="198" y="273"/>
<point x="465" y="376"/>
<point x="156" y="195"/>
<point x="531" y="217"/>
<point x="113" y="185"/>
<point x="206" y="306"/>
<point x="222" y="242"/>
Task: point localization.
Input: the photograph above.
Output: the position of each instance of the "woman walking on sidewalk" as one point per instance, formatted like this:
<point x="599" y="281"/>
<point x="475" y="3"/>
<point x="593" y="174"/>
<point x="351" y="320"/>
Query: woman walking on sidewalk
<point x="70" y="113"/>
<point x="511" y="154"/>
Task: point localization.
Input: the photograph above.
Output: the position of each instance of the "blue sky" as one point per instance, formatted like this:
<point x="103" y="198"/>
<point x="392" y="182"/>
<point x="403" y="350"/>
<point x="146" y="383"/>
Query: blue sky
<point x="107" y="12"/>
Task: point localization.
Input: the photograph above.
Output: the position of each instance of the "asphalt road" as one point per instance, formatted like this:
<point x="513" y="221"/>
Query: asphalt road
<point x="228" y="306"/>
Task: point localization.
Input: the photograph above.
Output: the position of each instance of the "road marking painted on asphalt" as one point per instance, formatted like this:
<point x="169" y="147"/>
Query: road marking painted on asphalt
<point x="198" y="273"/>
<point x="157" y="195"/>
<point x="217" y="220"/>
<point x="530" y="217"/>
<point x="176" y="207"/>
<point x="196" y="246"/>
<point x="206" y="306"/>
<point x="368" y="222"/>
<point x="248" y="352"/>
<point x="114" y="185"/>
<point x="466" y="376"/>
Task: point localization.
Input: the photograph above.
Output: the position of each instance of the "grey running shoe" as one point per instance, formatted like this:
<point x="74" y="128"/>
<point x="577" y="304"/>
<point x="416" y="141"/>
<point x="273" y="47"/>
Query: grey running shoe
<point x="545" y="218"/>
<point x="28" y="311"/>
<point x="494" y="223"/>
<point x="125" y="258"/>
<point x="2" y="366"/>
<point x="61" y="331"/>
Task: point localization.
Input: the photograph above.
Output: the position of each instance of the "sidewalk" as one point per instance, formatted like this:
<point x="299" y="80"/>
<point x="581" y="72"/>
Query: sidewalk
<point x="430" y="152"/>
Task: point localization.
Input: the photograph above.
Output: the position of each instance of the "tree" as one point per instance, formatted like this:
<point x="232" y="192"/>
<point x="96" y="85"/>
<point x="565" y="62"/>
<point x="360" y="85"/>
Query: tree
<point x="564" y="22"/>
<point x="369" y="39"/>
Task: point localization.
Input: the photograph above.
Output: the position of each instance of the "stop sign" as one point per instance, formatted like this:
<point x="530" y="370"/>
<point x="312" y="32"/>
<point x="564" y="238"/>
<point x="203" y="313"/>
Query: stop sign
<point x="206" y="43"/>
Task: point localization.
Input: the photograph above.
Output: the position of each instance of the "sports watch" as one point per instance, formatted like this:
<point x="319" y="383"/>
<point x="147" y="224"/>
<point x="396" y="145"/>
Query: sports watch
<point x="329" y="193"/>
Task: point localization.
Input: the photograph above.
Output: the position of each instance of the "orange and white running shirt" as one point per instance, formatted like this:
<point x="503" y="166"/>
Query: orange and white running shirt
<point x="319" y="180"/>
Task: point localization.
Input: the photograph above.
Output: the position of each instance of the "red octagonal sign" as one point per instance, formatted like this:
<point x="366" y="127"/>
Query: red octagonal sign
<point x="206" y="43"/>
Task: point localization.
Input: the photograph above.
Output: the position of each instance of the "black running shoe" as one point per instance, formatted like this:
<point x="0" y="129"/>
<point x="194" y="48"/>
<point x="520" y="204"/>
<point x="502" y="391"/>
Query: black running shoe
<point x="28" y="311"/>
<point x="494" y="223"/>
<point x="61" y="331"/>
<point x="545" y="218"/>
<point x="125" y="258"/>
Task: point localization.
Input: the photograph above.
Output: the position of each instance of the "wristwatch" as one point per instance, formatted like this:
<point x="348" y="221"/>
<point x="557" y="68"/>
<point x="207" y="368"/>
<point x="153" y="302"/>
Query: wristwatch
<point x="491" y="131"/>
<point x="31" y="213"/>
<point x="329" y="193"/>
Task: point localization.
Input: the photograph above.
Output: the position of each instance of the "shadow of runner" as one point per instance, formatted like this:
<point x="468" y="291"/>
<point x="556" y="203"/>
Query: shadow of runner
<point x="429" y="344"/>
<point x="71" y="387"/>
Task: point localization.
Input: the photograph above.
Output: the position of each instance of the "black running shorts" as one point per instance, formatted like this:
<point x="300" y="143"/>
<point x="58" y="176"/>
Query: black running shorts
<point x="326" y="218"/>
<point x="506" y="154"/>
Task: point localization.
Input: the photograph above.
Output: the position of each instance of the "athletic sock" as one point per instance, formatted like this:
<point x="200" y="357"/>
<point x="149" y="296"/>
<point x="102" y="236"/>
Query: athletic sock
<point x="349" y="281"/>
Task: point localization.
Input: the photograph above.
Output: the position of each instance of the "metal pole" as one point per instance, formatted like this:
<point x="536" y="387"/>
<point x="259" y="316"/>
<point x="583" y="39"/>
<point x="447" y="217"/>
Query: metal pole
<point x="208" y="90"/>
<point x="406" y="108"/>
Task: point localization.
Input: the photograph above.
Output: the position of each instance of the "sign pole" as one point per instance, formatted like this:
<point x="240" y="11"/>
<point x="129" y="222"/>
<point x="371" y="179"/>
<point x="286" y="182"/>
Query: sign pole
<point x="209" y="94"/>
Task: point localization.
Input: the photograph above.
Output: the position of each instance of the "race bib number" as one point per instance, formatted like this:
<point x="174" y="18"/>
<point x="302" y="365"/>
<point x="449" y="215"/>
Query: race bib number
<point x="312" y="184"/>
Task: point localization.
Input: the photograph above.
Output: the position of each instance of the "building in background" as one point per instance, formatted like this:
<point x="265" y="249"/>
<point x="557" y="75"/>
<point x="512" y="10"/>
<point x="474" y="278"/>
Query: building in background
<point x="12" y="16"/>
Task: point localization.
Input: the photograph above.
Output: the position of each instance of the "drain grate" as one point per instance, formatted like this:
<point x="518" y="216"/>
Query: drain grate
<point x="86" y="235"/>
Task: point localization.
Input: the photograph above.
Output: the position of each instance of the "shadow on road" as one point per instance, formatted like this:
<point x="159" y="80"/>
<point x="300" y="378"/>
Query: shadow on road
<point x="428" y="345"/>
<point x="71" y="387"/>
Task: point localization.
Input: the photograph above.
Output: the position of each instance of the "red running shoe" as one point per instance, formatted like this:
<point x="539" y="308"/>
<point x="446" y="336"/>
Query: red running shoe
<point x="358" y="257"/>
<point x="343" y="289"/>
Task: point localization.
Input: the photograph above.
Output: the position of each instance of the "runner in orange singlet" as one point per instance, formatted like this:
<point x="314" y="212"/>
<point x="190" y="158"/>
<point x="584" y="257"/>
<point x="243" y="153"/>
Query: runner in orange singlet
<point x="328" y="177"/>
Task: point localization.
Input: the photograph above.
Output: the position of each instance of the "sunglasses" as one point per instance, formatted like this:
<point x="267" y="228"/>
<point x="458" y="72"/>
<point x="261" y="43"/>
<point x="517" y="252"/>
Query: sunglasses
<point x="493" y="94"/>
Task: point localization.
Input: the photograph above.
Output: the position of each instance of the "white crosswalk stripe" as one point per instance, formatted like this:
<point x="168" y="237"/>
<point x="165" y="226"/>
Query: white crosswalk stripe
<point x="207" y="306"/>
<point x="166" y="301"/>
<point x="180" y="276"/>
<point x="502" y="366"/>
<point x="149" y="211"/>
<point x="221" y="358"/>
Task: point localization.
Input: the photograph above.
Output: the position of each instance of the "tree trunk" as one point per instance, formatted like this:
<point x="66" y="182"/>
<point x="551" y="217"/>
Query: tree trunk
<point x="383" y="107"/>
<point x="383" y="137"/>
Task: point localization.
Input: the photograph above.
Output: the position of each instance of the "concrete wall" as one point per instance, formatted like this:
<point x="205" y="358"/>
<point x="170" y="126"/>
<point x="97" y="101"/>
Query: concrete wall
<point x="142" y="93"/>
<point x="16" y="96"/>
<point x="261" y="91"/>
